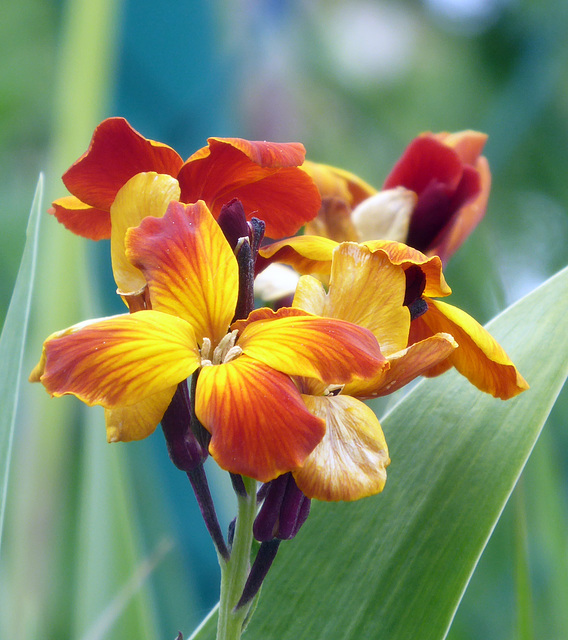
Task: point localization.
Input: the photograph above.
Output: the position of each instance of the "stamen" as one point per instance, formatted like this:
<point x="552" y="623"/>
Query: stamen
<point x="232" y="354"/>
<point x="333" y="390"/>
<point x="205" y="349"/>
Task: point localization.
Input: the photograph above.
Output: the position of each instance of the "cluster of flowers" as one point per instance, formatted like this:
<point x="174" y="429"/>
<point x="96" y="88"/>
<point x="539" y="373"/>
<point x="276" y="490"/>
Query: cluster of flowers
<point x="274" y="394"/>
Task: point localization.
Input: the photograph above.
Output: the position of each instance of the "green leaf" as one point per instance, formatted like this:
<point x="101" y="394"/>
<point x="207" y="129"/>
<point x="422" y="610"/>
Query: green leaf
<point x="12" y="345"/>
<point x="396" y="565"/>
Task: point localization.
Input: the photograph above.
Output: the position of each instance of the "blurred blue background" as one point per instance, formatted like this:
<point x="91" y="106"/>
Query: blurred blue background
<point x="355" y="82"/>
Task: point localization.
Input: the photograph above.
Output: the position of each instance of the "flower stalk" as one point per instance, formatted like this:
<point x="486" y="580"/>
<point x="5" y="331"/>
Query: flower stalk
<point x="234" y="572"/>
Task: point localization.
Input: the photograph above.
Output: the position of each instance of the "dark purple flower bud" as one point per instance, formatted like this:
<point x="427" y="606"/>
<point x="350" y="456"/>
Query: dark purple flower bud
<point x="283" y="512"/>
<point x="233" y="222"/>
<point x="185" y="450"/>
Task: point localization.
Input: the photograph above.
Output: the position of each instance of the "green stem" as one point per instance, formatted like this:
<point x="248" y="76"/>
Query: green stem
<point x="234" y="572"/>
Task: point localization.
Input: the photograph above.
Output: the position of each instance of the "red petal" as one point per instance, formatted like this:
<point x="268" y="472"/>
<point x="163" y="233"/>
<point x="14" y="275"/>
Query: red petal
<point x="116" y="153"/>
<point x="261" y="175"/>
<point x="78" y="217"/>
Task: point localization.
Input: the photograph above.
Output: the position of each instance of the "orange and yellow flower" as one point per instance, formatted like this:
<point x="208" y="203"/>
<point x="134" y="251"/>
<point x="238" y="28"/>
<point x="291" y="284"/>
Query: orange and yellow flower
<point x="433" y="198"/>
<point x="131" y="364"/>
<point x="264" y="176"/>
<point x="478" y="356"/>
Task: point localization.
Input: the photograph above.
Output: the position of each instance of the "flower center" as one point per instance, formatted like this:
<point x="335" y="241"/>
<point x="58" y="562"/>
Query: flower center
<point x="224" y="352"/>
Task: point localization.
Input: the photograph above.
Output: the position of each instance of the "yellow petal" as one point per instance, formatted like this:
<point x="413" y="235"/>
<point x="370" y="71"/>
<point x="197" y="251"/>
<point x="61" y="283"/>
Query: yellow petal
<point x="478" y="357"/>
<point x="307" y="254"/>
<point x="331" y="350"/>
<point x="338" y="183"/>
<point x="350" y="461"/>
<point x="146" y="194"/>
<point x="122" y="360"/>
<point x="137" y="421"/>
<point x="189" y="266"/>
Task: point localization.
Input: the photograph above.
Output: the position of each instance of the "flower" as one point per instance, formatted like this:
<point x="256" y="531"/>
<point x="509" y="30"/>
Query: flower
<point x="264" y="176"/>
<point x="433" y="198"/>
<point x="368" y="289"/>
<point x="131" y="364"/>
<point x="478" y="357"/>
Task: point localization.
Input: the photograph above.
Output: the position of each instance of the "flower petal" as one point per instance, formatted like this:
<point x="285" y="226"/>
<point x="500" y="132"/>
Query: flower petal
<point x="137" y="421"/>
<point x="259" y="425"/>
<point x="405" y="256"/>
<point x="386" y="215"/>
<point x="466" y="219"/>
<point x="333" y="351"/>
<point x="467" y="144"/>
<point x="263" y="175"/>
<point x="120" y="360"/>
<point x="479" y="357"/>
<point x="81" y="219"/>
<point x="338" y="183"/>
<point x="404" y="366"/>
<point x="367" y="289"/>
<point x="350" y="461"/>
<point x="116" y="153"/>
<point x="307" y="254"/>
<point x="145" y="194"/>
<point x="189" y="266"/>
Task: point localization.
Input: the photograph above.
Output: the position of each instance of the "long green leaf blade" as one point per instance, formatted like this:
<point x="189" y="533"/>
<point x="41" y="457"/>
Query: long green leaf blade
<point x="395" y="566"/>
<point x="12" y="345"/>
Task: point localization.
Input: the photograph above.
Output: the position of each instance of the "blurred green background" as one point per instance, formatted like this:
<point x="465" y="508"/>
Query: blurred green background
<point x="89" y="525"/>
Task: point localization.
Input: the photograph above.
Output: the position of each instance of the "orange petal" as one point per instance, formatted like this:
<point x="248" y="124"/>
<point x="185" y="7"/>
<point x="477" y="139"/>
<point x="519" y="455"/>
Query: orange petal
<point x="338" y="183"/>
<point x="404" y="366"/>
<point x="350" y="461"/>
<point x="259" y="425"/>
<point x="116" y="153"/>
<point x="331" y="350"/>
<point x="81" y="219"/>
<point x="120" y="360"/>
<point x="307" y="254"/>
<point x="262" y="175"/>
<point x="478" y="357"/>
<point x="189" y="266"/>
<point x="146" y="194"/>
<point x="467" y="144"/>
<point x="137" y="421"/>
<point x="405" y="256"/>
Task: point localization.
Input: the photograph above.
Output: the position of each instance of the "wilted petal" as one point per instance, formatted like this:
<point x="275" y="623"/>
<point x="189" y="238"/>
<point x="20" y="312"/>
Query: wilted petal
<point x="121" y="360"/>
<point x="478" y="357"/>
<point x="350" y="461"/>
<point x="331" y="350"/>
<point x="146" y="194"/>
<point x="116" y="153"/>
<point x="189" y="266"/>
<point x="137" y="421"/>
<point x="259" y="425"/>
<point x="80" y="218"/>
<point x="275" y="282"/>
<point x="264" y="176"/>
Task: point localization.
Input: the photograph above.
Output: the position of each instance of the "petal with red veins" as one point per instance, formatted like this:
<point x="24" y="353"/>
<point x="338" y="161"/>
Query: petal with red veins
<point x="478" y="357"/>
<point x="121" y="360"/>
<point x="331" y="350"/>
<point x="189" y="266"/>
<point x="259" y="425"/>
<point x="81" y="219"/>
<point x="116" y="153"/>
<point x="263" y="175"/>
<point x="137" y="421"/>
<point x="146" y="194"/>
<point x="350" y="461"/>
